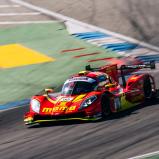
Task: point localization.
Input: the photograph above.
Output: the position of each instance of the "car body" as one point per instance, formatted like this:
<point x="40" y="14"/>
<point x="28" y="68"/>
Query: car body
<point x="93" y="94"/>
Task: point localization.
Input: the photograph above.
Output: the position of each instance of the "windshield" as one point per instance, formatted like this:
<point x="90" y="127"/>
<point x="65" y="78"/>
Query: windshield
<point x="78" y="87"/>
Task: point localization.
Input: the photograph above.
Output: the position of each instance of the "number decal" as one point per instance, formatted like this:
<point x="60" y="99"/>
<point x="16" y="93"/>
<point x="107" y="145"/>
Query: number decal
<point x="117" y="103"/>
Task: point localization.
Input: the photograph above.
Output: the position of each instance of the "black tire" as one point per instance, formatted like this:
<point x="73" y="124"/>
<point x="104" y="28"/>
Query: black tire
<point x="147" y="88"/>
<point x="105" y="107"/>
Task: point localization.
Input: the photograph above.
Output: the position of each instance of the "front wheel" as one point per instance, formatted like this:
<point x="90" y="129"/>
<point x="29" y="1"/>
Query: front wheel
<point x="105" y="107"/>
<point x="147" y="88"/>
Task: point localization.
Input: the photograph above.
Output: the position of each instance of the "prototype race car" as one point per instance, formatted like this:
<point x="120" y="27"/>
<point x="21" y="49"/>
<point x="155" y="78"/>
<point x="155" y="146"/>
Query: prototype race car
<point x="94" y="94"/>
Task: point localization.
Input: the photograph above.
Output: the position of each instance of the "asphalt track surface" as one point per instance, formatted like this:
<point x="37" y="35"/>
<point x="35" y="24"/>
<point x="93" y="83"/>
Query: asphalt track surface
<point x="11" y="14"/>
<point x="134" y="18"/>
<point x="124" y="135"/>
<point x="121" y="136"/>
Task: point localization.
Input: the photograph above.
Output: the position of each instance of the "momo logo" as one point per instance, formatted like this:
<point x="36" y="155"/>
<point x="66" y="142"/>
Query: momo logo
<point x="47" y="110"/>
<point x="58" y="109"/>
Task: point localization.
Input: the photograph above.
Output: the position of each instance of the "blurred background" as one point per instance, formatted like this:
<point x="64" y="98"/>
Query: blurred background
<point x="135" y="18"/>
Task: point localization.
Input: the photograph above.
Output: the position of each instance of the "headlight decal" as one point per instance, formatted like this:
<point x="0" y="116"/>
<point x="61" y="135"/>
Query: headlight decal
<point x="35" y="105"/>
<point x="87" y="102"/>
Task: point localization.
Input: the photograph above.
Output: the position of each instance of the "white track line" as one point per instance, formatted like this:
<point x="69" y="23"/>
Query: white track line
<point x="65" y="18"/>
<point x="9" y="6"/>
<point x="25" y="22"/>
<point x="19" y="14"/>
<point x="146" y="155"/>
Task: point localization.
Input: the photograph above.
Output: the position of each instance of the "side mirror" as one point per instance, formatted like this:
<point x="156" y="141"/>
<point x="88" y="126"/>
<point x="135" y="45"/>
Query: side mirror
<point x="49" y="90"/>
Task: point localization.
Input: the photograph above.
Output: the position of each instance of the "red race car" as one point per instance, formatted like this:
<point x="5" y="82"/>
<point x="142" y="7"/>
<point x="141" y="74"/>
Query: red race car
<point x="94" y="94"/>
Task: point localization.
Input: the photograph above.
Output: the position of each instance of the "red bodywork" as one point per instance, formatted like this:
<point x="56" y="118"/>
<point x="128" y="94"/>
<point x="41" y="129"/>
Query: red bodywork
<point x="69" y="107"/>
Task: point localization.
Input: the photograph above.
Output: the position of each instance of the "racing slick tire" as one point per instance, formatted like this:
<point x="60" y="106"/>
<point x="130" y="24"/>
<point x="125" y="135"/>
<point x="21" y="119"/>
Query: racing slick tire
<point x="105" y="107"/>
<point x="147" y="87"/>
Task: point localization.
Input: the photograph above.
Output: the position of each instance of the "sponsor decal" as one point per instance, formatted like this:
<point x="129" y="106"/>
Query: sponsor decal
<point x="85" y="79"/>
<point x="66" y="99"/>
<point x="72" y="108"/>
<point x="47" y="110"/>
<point x="79" y="79"/>
<point x="55" y="109"/>
<point x="117" y="103"/>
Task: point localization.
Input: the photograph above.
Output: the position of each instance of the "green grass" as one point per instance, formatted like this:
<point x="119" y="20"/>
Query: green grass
<point x="49" y="39"/>
<point x="153" y="157"/>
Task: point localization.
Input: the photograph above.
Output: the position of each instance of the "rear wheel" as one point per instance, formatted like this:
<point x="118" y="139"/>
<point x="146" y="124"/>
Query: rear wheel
<point x="105" y="106"/>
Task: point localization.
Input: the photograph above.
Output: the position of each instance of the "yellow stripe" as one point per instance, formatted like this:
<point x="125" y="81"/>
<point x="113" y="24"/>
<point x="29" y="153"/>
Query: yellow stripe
<point x="52" y="101"/>
<point x="15" y="55"/>
<point x="84" y="119"/>
<point x="52" y="120"/>
<point x="79" y="98"/>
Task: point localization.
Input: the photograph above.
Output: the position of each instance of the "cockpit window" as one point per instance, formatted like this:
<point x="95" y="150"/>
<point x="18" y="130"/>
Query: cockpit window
<point x="102" y="78"/>
<point x="78" y="87"/>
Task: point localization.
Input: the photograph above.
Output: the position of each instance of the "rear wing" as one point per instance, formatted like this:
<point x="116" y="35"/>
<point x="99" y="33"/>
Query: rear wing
<point x="126" y="69"/>
<point x="150" y="65"/>
<point x="115" y="72"/>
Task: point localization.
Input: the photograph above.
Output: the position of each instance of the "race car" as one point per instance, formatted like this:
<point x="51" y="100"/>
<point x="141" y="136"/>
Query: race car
<point x="94" y="94"/>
